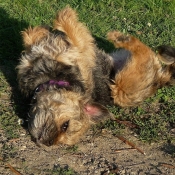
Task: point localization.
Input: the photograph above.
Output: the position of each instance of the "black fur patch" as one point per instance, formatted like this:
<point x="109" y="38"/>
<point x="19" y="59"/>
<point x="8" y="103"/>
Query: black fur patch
<point x="101" y="74"/>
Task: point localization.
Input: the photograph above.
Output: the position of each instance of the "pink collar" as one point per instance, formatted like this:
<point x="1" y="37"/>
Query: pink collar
<point x="58" y="84"/>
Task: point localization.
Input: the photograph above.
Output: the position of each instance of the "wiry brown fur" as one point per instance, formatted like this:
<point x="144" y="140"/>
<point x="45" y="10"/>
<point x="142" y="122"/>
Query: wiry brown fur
<point x="66" y="53"/>
<point x="142" y="75"/>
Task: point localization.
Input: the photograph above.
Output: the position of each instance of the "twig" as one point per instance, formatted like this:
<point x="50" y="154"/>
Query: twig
<point x="127" y="123"/>
<point x="130" y="144"/>
<point x="167" y="165"/>
<point x="124" y="149"/>
<point x="14" y="170"/>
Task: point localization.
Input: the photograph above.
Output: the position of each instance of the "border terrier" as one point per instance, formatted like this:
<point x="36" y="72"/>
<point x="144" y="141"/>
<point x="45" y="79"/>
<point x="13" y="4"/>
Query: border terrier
<point x="69" y="79"/>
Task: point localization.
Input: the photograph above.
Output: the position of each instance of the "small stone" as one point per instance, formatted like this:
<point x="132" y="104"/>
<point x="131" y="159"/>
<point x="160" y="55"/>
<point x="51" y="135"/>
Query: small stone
<point x="23" y="148"/>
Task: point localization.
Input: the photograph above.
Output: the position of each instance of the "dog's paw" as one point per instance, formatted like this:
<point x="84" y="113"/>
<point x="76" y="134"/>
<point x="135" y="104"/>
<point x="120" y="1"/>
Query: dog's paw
<point x="113" y="35"/>
<point x="117" y="37"/>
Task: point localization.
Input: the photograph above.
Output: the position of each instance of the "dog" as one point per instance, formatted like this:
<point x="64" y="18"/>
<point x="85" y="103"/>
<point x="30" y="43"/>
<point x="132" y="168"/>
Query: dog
<point x="70" y="80"/>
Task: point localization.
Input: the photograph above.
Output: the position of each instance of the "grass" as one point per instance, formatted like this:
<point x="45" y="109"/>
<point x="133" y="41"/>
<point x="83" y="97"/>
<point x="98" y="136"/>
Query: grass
<point x="151" y="21"/>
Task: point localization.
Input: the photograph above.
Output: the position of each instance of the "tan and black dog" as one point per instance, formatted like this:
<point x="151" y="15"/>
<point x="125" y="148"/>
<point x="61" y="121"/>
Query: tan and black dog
<point x="69" y="78"/>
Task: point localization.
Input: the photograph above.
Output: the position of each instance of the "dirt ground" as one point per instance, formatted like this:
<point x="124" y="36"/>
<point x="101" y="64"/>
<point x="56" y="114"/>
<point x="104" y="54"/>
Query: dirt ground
<point x="100" y="154"/>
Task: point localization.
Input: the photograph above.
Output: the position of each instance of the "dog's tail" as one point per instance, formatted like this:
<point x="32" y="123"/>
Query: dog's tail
<point x="78" y="34"/>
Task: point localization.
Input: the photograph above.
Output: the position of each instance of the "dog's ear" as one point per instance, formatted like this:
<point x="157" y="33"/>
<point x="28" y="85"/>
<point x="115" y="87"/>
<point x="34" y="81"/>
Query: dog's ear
<point x="33" y="35"/>
<point x="97" y="112"/>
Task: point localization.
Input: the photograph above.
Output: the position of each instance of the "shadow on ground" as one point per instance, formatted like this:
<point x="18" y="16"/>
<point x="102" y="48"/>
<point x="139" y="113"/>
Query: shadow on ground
<point x="104" y="44"/>
<point x="169" y="148"/>
<point x="10" y="49"/>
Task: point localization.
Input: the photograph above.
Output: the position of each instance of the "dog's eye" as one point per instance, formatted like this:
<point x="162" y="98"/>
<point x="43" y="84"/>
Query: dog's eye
<point x="65" y="126"/>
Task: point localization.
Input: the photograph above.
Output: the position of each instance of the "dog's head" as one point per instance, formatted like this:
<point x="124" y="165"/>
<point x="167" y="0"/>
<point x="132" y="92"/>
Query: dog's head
<point x="62" y="117"/>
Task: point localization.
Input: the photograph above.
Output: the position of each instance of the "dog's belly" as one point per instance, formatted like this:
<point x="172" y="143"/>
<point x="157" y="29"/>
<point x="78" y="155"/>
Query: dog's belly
<point x="120" y="59"/>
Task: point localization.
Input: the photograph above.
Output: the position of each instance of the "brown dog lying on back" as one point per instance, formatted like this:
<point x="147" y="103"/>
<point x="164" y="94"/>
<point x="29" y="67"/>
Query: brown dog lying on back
<point x="69" y="79"/>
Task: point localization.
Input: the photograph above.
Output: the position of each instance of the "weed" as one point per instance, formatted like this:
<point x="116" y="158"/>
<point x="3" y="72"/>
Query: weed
<point x="71" y="149"/>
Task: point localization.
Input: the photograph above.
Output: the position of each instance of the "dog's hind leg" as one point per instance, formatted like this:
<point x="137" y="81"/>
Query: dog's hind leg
<point x="142" y="75"/>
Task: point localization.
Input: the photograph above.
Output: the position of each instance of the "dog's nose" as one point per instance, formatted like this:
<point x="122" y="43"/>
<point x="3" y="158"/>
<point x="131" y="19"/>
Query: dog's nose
<point x="40" y="142"/>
